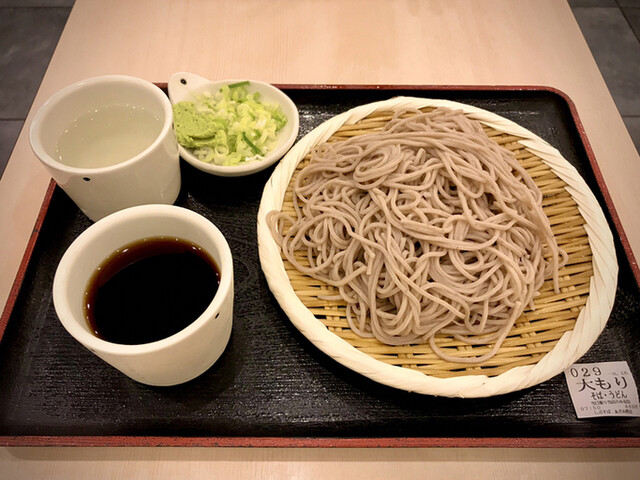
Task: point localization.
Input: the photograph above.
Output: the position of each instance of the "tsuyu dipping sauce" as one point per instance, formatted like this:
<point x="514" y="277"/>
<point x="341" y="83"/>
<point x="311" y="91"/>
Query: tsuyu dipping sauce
<point x="149" y="290"/>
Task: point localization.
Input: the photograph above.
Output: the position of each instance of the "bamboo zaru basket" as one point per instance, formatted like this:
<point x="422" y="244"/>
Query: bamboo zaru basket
<point x="543" y="342"/>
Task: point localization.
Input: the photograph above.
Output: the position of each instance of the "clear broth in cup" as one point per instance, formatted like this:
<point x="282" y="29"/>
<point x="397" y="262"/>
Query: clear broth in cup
<point x="107" y="136"/>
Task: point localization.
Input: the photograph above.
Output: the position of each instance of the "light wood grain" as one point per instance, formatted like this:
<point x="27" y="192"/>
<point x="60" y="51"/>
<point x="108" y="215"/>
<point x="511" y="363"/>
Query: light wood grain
<point x="451" y="42"/>
<point x="312" y="464"/>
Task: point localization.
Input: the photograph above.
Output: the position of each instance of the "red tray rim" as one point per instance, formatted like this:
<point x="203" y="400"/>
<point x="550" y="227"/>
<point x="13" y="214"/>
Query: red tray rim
<point x="412" y="442"/>
<point x="311" y="442"/>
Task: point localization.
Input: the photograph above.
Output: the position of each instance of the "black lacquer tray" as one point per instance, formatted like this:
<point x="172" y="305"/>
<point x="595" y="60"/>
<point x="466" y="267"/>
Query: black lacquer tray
<point x="272" y="387"/>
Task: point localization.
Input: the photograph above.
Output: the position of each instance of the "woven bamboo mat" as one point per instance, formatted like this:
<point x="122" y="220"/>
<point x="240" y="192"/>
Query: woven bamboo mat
<point x="535" y="333"/>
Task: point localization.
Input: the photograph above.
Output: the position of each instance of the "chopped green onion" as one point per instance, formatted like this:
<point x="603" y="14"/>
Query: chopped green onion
<point x="255" y="149"/>
<point x="239" y="84"/>
<point x="228" y="127"/>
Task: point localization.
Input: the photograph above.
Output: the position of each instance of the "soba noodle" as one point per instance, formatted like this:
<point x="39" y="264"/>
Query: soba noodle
<point x="425" y="227"/>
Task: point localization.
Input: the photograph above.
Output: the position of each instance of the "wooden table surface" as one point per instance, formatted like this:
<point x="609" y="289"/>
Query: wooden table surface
<point x="431" y="42"/>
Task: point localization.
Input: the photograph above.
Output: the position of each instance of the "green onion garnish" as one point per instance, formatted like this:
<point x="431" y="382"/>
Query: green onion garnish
<point x="255" y="149"/>
<point x="211" y="126"/>
<point x="239" y="84"/>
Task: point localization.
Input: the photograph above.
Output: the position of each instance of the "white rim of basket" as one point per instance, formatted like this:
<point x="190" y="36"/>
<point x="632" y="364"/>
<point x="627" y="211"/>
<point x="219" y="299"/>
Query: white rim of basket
<point x="571" y="346"/>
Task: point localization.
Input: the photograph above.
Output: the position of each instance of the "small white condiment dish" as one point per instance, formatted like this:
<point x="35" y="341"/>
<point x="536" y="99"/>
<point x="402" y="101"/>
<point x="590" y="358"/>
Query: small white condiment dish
<point x="183" y="85"/>
<point x="172" y="360"/>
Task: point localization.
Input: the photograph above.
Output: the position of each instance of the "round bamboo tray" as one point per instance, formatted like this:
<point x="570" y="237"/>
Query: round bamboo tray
<point x="543" y="342"/>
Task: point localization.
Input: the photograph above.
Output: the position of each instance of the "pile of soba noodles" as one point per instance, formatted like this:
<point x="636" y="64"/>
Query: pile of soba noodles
<point x="425" y="227"/>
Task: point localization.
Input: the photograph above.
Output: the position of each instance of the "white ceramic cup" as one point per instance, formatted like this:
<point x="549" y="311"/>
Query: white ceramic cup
<point x="179" y="357"/>
<point x="152" y="176"/>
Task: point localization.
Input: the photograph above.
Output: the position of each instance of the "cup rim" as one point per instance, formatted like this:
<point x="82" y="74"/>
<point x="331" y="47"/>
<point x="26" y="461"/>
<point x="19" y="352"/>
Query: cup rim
<point x="84" y="241"/>
<point x="56" y="98"/>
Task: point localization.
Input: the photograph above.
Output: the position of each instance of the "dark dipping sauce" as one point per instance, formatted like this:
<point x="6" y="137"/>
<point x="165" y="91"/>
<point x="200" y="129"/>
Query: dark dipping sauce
<point x="149" y="290"/>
